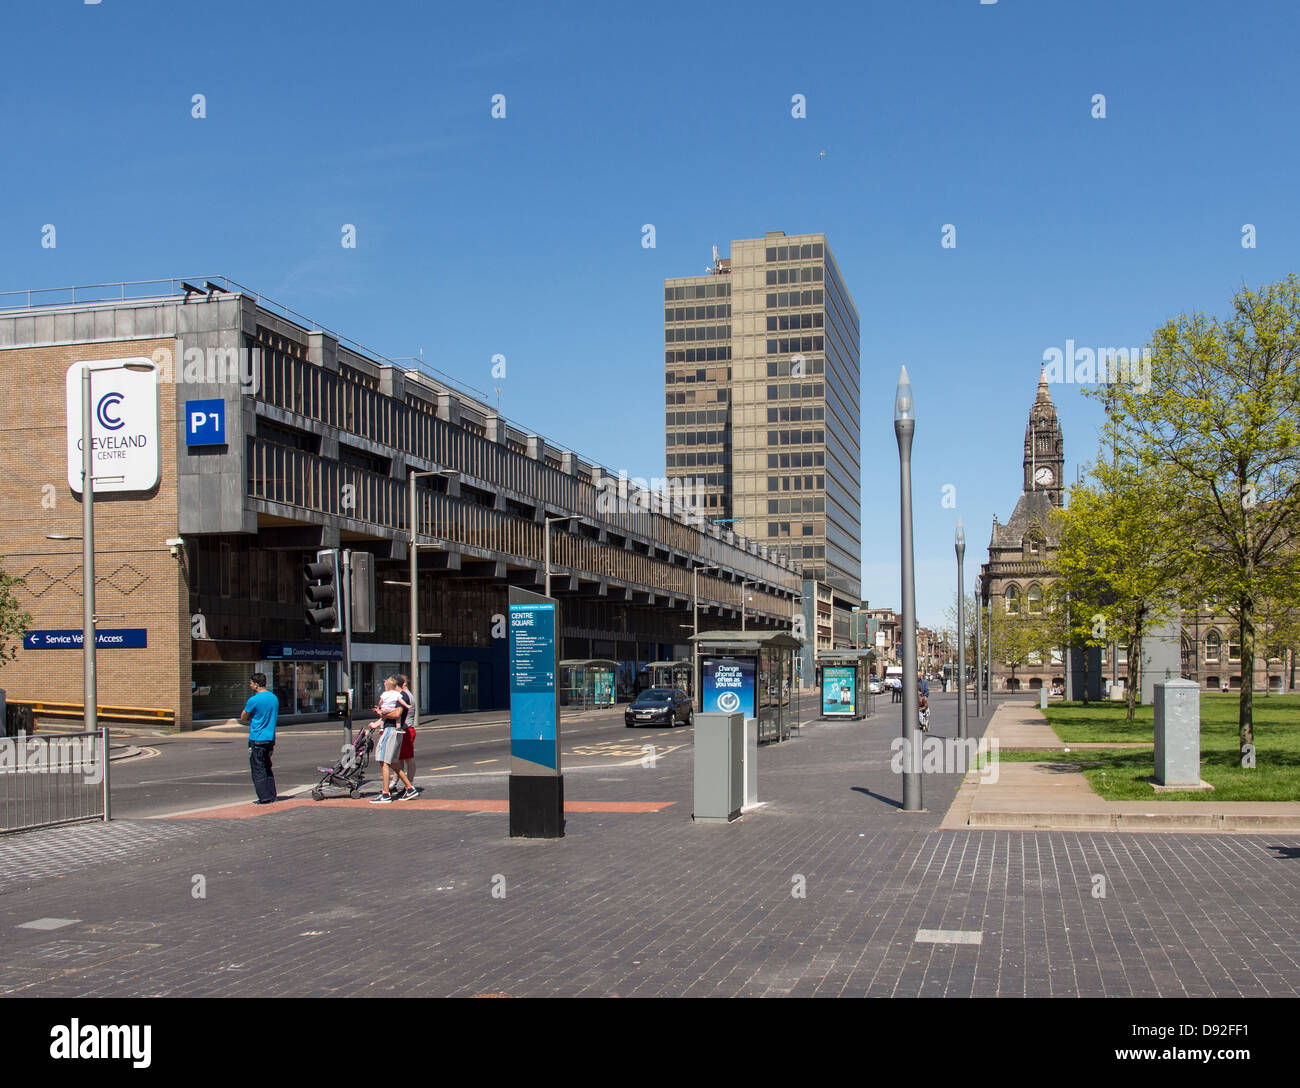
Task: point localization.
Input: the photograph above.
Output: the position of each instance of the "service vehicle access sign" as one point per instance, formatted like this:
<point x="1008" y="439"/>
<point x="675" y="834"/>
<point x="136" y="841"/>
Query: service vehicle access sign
<point x="123" y="423"/>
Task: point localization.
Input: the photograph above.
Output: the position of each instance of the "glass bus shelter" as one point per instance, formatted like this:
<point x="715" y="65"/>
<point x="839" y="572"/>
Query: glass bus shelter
<point x="588" y="682"/>
<point x="842" y="680"/>
<point x="749" y="672"/>
<point x="672" y="674"/>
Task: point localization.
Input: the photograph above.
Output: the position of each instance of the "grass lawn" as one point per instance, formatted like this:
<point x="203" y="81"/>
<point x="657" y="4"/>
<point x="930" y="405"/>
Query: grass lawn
<point x="1124" y="775"/>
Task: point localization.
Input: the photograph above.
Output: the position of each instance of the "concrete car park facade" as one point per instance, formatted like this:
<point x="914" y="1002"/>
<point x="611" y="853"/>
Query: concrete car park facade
<point x="317" y="437"/>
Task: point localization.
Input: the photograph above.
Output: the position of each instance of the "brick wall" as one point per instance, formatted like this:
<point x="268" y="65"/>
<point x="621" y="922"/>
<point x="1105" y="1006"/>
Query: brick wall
<point x="135" y="572"/>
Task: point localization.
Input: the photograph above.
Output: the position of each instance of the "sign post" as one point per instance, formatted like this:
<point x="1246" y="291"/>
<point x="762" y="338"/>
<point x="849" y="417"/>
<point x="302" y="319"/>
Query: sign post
<point x="536" y="781"/>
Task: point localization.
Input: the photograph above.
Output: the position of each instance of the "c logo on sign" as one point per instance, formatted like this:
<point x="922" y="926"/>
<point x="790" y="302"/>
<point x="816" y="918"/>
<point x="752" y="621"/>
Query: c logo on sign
<point x="728" y="702"/>
<point x="107" y="421"/>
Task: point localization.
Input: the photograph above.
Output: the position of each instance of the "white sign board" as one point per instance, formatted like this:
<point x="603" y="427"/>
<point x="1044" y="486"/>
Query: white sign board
<point x="124" y="426"/>
<point x="880" y="640"/>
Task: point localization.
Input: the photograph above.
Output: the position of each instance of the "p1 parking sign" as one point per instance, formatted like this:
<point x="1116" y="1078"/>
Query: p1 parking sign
<point x="205" y="422"/>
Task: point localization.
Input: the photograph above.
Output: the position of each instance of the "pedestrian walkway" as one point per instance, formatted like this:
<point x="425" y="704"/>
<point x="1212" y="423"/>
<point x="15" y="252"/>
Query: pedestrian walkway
<point x="1058" y="796"/>
<point x="827" y="889"/>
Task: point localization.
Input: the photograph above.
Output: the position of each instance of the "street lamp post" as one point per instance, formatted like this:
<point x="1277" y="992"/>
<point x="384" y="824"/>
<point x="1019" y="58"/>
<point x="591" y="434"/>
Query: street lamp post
<point x="547" y="547"/>
<point x="979" y="651"/>
<point x="904" y="428"/>
<point x="961" y="629"/>
<point x="695" y="622"/>
<point x="89" y="679"/>
<point x="414" y="545"/>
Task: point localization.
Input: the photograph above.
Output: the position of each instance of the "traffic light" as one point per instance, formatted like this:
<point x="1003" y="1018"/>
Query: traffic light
<point x="362" y="602"/>
<point x="324" y="609"/>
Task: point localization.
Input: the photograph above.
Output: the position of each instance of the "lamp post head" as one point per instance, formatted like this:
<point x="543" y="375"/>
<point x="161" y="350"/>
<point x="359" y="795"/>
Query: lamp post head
<point x="903" y="407"/>
<point x="961" y="539"/>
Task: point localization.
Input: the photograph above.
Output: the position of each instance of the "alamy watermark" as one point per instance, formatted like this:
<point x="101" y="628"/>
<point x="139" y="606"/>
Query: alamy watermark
<point x="636" y="495"/>
<point x="945" y="755"/>
<point x="54" y="755"/>
<point x="1100" y="366"/>
<point x="241" y="367"/>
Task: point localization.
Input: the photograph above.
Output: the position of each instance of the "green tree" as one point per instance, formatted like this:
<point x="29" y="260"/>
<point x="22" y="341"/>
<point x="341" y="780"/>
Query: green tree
<point x="1121" y="558"/>
<point x="1219" y="409"/>
<point x="14" y="622"/>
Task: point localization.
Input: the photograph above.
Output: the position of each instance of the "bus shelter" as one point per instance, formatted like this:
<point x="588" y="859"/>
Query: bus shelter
<point x="749" y="672"/>
<point x="842" y="678"/>
<point x="672" y="674"/>
<point x="588" y="682"/>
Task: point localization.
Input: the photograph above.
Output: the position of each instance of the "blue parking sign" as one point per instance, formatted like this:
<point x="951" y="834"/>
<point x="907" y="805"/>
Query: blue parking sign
<point x="205" y="422"/>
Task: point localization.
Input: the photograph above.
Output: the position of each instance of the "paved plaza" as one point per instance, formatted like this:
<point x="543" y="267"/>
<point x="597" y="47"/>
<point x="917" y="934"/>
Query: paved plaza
<point x="827" y="889"/>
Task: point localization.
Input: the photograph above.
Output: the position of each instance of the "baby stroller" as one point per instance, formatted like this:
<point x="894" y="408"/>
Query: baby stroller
<point x="349" y="772"/>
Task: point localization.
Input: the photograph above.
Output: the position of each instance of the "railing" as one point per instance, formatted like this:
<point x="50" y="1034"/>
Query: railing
<point x="295" y="478"/>
<point x="50" y="779"/>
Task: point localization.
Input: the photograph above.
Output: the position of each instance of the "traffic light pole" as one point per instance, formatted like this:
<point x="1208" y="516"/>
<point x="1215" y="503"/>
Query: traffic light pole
<point x="345" y="596"/>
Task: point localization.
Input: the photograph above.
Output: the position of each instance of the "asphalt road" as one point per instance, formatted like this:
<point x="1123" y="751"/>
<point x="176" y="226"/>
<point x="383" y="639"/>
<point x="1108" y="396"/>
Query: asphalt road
<point x="209" y="768"/>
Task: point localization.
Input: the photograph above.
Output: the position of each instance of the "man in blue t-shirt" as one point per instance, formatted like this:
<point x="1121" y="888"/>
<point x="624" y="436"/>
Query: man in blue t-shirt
<point x="261" y="712"/>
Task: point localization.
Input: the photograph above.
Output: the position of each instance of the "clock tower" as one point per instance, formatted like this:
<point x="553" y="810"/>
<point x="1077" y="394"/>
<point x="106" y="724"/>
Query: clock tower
<point x="1044" y="447"/>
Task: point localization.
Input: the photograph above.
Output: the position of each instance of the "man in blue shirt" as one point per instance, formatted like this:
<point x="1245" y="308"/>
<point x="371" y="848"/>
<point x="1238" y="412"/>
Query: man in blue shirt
<point x="261" y="712"/>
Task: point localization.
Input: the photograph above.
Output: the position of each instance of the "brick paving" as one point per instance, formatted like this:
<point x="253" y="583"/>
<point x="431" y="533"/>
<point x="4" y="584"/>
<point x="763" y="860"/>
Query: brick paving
<point x="820" y="892"/>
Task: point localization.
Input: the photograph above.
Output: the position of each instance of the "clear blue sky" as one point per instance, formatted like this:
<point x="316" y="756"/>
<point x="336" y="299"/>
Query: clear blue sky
<point x="522" y="236"/>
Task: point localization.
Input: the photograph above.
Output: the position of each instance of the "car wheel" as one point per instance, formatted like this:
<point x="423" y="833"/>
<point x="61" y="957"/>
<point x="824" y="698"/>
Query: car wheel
<point x="690" y="718"/>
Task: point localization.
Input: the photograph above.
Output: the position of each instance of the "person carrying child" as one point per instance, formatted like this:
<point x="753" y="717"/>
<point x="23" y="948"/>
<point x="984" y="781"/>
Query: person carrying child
<point x="388" y="750"/>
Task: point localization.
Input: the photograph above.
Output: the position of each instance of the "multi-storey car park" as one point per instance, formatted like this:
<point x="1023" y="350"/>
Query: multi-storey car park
<point x="318" y="440"/>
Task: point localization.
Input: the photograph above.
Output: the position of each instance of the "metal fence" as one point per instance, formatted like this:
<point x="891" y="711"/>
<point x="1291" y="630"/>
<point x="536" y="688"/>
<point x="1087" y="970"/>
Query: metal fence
<point x="49" y="779"/>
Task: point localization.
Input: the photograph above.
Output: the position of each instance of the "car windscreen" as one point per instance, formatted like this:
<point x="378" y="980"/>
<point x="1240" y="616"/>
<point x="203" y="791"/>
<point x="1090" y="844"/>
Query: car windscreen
<point x="657" y="697"/>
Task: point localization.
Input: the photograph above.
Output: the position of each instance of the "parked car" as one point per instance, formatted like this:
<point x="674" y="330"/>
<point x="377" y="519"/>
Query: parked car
<point x="660" y="706"/>
<point x="876" y="686"/>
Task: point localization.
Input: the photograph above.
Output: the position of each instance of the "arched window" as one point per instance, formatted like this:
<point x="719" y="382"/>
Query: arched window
<point x="1013" y="600"/>
<point x="1234" y="645"/>
<point x="1213" y="643"/>
<point x="1035" y="600"/>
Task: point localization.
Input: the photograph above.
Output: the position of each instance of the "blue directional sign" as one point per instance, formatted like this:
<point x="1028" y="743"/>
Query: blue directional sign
<point x="205" y="422"/>
<point x="534" y="745"/>
<point x="70" y="638"/>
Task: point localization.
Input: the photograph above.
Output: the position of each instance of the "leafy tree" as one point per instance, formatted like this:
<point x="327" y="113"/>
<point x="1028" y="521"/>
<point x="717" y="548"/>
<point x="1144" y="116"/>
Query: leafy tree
<point x="14" y="623"/>
<point x="1219" y="409"/>
<point x="1121" y="558"/>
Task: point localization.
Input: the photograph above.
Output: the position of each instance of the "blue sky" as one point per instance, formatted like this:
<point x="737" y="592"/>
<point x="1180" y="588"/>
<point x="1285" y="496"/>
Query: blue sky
<point x="522" y="236"/>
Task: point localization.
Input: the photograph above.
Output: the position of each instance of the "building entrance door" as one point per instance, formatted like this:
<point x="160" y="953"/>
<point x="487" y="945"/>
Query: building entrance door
<point x="468" y="686"/>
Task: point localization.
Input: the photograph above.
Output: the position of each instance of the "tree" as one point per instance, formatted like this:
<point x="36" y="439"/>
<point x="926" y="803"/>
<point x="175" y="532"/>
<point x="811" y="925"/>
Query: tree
<point x="1219" y="408"/>
<point x="1019" y="636"/>
<point x="1121" y="558"/>
<point x="14" y="623"/>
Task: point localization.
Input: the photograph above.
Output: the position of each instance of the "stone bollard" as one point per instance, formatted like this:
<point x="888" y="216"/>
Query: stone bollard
<point x="1178" y="736"/>
<point x="1042" y="698"/>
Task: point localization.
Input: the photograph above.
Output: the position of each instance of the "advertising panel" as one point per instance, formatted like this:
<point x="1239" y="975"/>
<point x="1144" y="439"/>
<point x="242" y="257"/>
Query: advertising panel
<point x="839" y="697"/>
<point x="727" y="685"/>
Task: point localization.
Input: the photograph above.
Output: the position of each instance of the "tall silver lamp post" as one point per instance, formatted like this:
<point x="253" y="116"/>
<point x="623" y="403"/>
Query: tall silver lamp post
<point x="90" y="686"/>
<point x="547" y="546"/>
<point x="961" y="629"/>
<point x="414" y="545"/>
<point x="980" y="704"/>
<point x="904" y="427"/>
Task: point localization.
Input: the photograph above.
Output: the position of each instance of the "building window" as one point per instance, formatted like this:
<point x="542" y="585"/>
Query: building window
<point x="1013" y="600"/>
<point x="1234" y="645"/>
<point x="1035" y="600"/>
<point x="1212" y="644"/>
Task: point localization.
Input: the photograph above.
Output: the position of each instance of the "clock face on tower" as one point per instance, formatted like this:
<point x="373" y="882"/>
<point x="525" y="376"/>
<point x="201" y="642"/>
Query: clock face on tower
<point x="1043" y="477"/>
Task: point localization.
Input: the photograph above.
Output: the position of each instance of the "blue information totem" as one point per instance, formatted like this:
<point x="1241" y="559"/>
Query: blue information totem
<point x="536" y="784"/>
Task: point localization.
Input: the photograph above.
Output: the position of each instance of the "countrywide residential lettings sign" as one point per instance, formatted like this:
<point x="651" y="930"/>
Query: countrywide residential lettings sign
<point x="124" y="426"/>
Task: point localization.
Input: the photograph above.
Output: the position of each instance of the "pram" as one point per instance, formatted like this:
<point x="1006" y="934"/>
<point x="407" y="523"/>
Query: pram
<point x="348" y="774"/>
